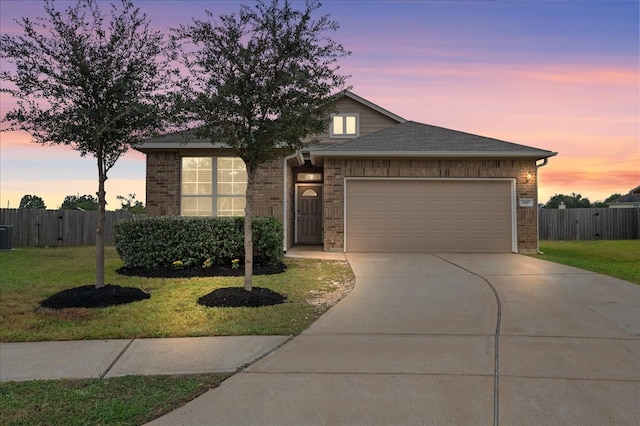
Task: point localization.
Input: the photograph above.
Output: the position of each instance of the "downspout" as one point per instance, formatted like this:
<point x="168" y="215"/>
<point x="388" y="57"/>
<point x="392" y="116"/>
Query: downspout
<point x="544" y="163"/>
<point x="285" y="193"/>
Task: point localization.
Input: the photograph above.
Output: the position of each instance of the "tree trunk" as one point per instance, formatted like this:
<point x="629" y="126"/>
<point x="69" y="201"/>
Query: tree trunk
<point x="102" y="202"/>
<point x="248" y="237"/>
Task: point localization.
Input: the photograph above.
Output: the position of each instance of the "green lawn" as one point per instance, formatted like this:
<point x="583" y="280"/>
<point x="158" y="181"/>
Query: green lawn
<point x="30" y="275"/>
<point x="616" y="258"/>
<point x="132" y="400"/>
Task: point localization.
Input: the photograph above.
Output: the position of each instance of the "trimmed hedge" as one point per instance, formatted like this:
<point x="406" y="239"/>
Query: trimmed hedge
<point x="158" y="241"/>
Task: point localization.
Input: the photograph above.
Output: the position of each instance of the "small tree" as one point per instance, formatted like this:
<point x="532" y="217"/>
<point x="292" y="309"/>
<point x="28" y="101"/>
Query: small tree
<point x="32" y="202"/>
<point x="130" y="204"/>
<point x="82" y="202"/>
<point x="89" y="81"/>
<point x="260" y="82"/>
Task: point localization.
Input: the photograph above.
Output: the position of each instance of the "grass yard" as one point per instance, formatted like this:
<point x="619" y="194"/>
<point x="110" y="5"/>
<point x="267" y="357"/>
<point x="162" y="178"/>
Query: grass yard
<point x="132" y="400"/>
<point x="616" y="258"/>
<point x="30" y="275"/>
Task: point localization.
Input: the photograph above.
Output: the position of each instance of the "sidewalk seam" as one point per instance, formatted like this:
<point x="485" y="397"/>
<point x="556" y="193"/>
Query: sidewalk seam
<point x="116" y="359"/>
<point x="244" y="367"/>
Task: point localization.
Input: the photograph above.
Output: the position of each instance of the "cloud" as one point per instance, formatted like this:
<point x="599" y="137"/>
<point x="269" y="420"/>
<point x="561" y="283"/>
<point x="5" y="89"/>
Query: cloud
<point x="592" y="184"/>
<point x="586" y="179"/>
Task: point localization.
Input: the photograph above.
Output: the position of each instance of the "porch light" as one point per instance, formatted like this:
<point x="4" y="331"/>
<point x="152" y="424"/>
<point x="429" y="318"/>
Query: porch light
<point x="528" y="177"/>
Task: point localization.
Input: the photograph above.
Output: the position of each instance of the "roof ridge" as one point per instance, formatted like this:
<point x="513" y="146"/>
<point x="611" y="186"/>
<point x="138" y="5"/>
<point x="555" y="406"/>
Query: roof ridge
<point x="415" y="138"/>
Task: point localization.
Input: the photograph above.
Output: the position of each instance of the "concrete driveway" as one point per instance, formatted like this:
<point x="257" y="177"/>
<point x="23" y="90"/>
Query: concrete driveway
<point x="449" y="339"/>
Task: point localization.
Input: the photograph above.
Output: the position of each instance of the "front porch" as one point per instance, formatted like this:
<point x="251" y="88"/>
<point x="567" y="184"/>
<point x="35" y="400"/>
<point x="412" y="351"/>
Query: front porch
<point x="313" y="251"/>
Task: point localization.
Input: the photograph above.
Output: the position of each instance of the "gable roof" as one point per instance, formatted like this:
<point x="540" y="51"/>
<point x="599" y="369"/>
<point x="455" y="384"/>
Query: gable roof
<point x="185" y="139"/>
<point x="632" y="197"/>
<point x="422" y="140"/>
<point x="373" y="106"/>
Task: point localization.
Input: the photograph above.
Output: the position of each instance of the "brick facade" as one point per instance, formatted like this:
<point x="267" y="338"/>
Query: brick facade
<point x="163" y="184"/>
<point x="335" y="170"/>
<point x="268" y="195"/>
<point x="163" y="188"/>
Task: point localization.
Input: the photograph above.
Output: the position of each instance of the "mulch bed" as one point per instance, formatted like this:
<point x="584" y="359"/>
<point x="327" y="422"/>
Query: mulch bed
<point x="235" y="297"/>
<point x="192" y="272"/>
<point x="89" y="297"/>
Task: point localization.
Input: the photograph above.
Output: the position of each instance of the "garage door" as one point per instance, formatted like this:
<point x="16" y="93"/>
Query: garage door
<point x="455" y="216"/>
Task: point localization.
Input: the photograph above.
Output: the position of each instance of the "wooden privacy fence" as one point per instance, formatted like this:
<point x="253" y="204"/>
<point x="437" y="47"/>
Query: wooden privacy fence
<point x="31" y="227"/>
<point x="35" y="227"/>
<point x="589" y="224"/>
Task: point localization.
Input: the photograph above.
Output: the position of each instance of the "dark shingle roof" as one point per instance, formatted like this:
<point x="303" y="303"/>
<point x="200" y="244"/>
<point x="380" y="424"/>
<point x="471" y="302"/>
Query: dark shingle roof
<point x="413" y="138"/>
<point x="632" y="197"/>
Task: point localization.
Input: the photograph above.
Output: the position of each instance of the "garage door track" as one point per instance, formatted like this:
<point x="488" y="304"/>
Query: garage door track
<point x="449" y="339"/>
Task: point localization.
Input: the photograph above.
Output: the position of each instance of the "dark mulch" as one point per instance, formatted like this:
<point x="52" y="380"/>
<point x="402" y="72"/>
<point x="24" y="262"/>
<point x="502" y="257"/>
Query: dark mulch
<point x="215" y="271"/>
<point x="234" y="297"/>
<point x="89" y="296"/>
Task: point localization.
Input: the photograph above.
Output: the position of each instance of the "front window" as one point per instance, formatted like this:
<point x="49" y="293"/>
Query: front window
<point x="345" y="126"/>
<point x="213" y="186"/>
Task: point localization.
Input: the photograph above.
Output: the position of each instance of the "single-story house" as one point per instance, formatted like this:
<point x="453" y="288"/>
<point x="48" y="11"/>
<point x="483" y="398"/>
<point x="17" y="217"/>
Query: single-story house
<point x="374" y="182"/>
<point x="632" y="199"/>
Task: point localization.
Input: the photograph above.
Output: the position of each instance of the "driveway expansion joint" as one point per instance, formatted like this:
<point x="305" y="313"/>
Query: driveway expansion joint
<point x="496" y="375"/>
<point x="577" y="379"/>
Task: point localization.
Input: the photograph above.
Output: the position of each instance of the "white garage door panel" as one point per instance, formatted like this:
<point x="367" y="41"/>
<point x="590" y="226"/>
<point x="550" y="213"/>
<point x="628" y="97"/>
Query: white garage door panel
<point x="428" y="216"/>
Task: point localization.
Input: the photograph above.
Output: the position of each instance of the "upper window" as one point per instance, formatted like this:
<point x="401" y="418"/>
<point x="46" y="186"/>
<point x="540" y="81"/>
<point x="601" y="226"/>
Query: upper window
<point x="213" y="186"/>
<point x="345" y="126"/>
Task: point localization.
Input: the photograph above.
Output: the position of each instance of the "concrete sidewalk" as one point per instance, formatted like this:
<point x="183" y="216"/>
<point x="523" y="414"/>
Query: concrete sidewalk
<point x="112" y="358"/>
<point x="449" y="339"/>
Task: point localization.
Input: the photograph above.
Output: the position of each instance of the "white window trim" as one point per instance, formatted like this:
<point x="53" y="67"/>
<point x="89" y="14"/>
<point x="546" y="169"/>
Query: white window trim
<point x="214" y="196"/>
<point x="345" y="136"/>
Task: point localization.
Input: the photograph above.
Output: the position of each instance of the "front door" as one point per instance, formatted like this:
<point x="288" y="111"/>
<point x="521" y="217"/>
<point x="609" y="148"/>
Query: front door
<point x="309" y="214"/>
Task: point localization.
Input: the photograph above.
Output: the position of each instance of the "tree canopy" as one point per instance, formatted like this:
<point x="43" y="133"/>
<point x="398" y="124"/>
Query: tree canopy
<point x="575" y="201"/>
<point x="262" y="79"/>
<point x="260" y="82"/>
<point x="32" y="202"/>
<point x="90" y="80"/>
<point x="81" y="202"/>
<point x="130" y="204"/>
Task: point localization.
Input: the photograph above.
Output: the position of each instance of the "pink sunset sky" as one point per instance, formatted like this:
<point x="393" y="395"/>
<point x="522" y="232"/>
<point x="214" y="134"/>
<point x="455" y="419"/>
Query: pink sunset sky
<point x="556" y="75"/>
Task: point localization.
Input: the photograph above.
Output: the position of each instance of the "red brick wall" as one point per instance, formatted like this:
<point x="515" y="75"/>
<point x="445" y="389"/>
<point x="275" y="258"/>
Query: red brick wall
<point x="268" y="190"/>
<point x="163" y="184"/>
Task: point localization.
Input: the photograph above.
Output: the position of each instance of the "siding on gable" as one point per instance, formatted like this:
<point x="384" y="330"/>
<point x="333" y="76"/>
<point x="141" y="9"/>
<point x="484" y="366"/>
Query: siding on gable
<point x="370" y="120"/>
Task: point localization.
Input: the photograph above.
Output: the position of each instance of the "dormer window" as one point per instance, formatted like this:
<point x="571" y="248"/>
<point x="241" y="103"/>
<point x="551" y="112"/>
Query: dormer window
<point x="345" y="126"/>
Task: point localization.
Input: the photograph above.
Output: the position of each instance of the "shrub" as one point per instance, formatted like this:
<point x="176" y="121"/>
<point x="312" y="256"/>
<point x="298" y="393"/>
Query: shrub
<point x="159" y="241"/>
